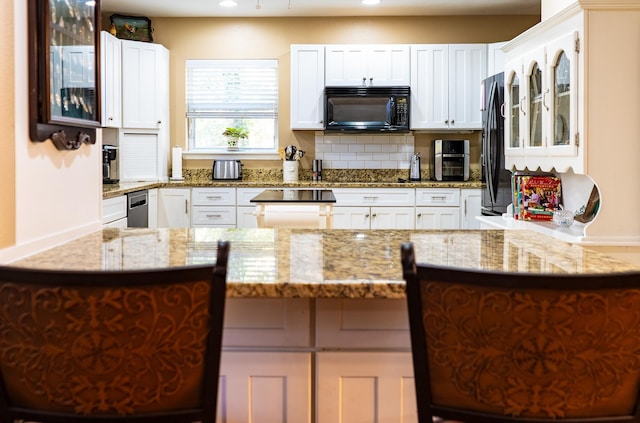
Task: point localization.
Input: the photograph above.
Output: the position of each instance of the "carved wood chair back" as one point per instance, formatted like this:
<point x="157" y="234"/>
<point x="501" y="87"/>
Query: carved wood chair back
<point x="493" y="347"/>
<point x="115" y="346"/>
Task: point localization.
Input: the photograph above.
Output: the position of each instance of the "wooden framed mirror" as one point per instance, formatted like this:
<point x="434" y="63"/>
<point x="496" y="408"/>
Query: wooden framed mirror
<point x="64" y="85"/>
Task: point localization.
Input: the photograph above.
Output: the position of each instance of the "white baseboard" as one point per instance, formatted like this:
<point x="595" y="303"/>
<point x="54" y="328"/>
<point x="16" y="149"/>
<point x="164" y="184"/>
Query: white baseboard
<point x="29" y="248"/>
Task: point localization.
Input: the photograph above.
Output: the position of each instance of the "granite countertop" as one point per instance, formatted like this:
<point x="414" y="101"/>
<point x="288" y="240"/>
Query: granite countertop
<point x="109" y="191"/>
<point x="305" y="263"/>
<point x="272" y="178"/>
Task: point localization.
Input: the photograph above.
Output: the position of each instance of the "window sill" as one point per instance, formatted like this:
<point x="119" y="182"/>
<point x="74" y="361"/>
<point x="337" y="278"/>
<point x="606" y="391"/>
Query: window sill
<point x="231" y="155"/>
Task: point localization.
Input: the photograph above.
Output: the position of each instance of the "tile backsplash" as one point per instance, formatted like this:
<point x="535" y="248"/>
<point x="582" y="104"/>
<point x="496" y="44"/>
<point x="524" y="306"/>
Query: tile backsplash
<point x="363" y="151"/>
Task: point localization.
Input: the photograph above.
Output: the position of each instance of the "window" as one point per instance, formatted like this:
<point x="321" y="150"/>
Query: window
<point x="232" y="93"/>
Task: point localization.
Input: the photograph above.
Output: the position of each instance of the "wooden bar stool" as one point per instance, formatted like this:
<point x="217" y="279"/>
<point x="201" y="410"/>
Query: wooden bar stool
<point x="491" y="347"/>
<point x="111" y="346"/>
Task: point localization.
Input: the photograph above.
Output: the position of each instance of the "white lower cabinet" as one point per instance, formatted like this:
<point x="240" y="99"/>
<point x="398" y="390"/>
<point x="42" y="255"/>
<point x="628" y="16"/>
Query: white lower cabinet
<point x="270" y="387"/>
<point x="355" y="208"/>
<point x="114" y="212"/>
<point x="173" y="207"/>
<point x="373" y="217"/>
<point x="365" y="387"/>
<point x="266" y="368"/>
<point x="383" y="208"/>
<point x="437" y="208"/>
<point x="316" y="360"/>
<point x="470" y="207"/>
<point x="213" y="207"/>
<point x="437" y="217"/>
<point x="153" y="208"/>
<point x="245" y="217"/>
<point x="364" y="367"/>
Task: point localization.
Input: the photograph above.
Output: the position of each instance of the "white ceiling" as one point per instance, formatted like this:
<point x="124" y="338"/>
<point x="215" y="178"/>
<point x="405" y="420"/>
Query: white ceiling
<point x="293" y="8"/>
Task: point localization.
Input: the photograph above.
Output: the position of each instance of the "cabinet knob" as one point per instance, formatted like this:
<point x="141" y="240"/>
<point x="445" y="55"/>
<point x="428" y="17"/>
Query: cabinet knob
<point x="446" y="121"/>
<point x="364" y="81"/>
<point x="159" y="122"/>
<point x="419" y="215"/>
<point x="370" y="81"/>
<point x="373" y="215"/>
<point x="453" y="122"/>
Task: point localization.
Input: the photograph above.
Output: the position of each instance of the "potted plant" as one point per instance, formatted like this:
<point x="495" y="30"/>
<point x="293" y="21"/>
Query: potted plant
<point x="235" y="133"/>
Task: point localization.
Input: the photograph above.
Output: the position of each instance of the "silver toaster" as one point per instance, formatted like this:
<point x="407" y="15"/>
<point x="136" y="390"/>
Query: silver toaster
<point x="227" y="169"/>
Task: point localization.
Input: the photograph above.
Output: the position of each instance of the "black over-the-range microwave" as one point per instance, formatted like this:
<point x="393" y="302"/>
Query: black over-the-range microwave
<point x="366" y="109"/>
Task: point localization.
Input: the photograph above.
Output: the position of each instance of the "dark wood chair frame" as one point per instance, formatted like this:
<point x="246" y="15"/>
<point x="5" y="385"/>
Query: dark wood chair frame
<point x="416" y="275"/>
<point x="216" y="274"/>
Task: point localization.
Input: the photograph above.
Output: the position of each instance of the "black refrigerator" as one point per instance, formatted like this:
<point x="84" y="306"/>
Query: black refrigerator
<point x="496" y="194"/>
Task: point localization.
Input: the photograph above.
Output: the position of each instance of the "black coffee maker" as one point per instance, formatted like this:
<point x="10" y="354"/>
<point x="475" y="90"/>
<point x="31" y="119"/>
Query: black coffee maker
<point x="108" y="155"/>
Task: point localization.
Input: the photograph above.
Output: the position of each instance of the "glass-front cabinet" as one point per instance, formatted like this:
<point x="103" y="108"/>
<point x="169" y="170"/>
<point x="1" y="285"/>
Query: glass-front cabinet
<point x="562" y="56"/>
<point x="541" y="105"/>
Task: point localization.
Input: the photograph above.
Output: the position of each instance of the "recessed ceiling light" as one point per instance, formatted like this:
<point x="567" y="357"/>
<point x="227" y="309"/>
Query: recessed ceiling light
<point x="370" y="1"/>
<point x="228" y="3"/>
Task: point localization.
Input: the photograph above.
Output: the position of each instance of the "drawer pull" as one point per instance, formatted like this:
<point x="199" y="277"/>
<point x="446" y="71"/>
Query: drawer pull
<point x="214" y="215"/>
<point x="370" y="198"/>
<point x="214" y="197"/>
<point x="439" y="197"/>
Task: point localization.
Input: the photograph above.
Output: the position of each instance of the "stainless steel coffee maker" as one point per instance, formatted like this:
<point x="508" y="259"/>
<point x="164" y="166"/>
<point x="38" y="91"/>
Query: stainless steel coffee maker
<point x="108" y="155"/>
<point x="414" y="168"/>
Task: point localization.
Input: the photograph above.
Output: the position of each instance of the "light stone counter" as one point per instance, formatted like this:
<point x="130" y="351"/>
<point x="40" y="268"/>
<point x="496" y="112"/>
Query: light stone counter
<point x="272" y="178"/>
<point x="277" y="263"/>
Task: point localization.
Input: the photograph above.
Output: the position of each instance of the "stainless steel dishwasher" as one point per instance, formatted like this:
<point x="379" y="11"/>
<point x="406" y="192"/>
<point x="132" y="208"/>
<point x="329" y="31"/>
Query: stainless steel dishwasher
<point x="138" y="209"/>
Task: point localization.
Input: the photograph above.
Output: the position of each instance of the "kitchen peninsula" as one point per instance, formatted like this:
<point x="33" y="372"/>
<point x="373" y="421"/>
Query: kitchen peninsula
<point x="316" y="318"/>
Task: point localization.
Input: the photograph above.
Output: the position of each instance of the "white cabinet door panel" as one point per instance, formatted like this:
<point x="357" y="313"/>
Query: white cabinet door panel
<point x="173" y="207"/>
<point x="351" y="218"/>
<point x="366" y="387"/>
<point x="271" y="387"/>
<point x="437" y="217"/>
<point x="392" y="217"/>
<point x="307" y="86"/>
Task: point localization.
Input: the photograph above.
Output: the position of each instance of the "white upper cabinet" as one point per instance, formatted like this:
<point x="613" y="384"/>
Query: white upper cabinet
<point x="307" y="86"/>
<point x="445" y="85"/>
<point x="111" y="80"/>
<point x="495" y="58"/>
<point x="142" y="65"/>
<point x="367" y="65"/>
<point x="541" y="103"/>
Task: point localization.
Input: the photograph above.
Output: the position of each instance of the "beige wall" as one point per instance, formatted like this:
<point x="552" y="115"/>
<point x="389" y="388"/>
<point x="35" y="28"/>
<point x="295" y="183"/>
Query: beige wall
<point x="7" y="157"/>
<point x="48" y="196"/>
<point x="260" y="38"/>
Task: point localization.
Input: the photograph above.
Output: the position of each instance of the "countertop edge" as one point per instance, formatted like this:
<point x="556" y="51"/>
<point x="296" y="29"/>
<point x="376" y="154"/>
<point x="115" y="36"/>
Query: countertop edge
<point x="110" y="191"/>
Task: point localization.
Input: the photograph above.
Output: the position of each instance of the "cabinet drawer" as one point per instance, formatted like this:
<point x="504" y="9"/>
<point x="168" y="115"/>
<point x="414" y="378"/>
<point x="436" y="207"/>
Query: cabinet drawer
<point x="264" y="322"/>
<point x="213" y="196"/>
<point x="362" y="323"/>
<point x="114" y="208"/>
<point x="374" y="197"/>
<point x="437" y="197"/>
<point x="203" y="215"/>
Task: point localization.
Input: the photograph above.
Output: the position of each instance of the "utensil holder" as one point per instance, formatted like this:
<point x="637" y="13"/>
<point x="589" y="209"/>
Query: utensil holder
<point x="290" y="170"/>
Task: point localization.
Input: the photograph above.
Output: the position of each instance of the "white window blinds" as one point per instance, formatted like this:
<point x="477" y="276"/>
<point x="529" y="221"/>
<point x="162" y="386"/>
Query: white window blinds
<point x="232" y="88"/>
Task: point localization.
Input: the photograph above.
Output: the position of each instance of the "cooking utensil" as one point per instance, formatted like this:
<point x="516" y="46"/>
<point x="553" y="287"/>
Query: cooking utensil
<point x="290" y="152"/>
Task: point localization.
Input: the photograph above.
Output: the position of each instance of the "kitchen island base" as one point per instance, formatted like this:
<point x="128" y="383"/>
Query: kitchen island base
<point x="316" y="361"/>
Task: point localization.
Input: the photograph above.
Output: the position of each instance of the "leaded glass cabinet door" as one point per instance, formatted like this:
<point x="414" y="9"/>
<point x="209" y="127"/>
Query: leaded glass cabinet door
<point x="562" y="55"/>
<point x="537" y="107"/>
<point x="514" y="99"/>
